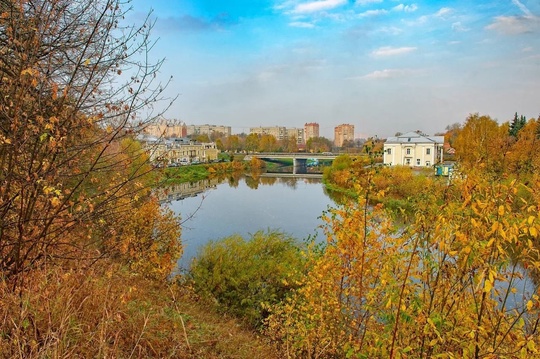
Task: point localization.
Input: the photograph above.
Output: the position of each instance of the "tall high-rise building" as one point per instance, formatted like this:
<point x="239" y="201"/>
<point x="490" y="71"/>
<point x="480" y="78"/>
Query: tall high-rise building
<point x="343" y="133"/>
<point x="311" y="130"/>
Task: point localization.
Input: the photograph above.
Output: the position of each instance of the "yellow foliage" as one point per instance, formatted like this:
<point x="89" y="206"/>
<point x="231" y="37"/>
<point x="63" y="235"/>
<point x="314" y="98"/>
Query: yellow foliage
<point x="446" y="283"/>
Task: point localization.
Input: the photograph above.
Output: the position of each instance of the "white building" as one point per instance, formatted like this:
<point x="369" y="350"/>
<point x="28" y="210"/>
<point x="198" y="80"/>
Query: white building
<point x="413" y="149"/>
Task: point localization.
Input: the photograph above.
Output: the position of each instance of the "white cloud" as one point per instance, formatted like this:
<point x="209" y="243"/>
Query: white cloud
<point x="285" y="5"/>
<point x="405" y="8"/>
<point x="386" y="74"/>
<point x="458" y="26"/>
<point x="370" y="13"/>
<point x="302" y="24"/>
<point x="515" y="25"/>
<point x="321" y="5"/>
<point x="392" y="51"/>
<point x="391" y="30"/>
<point x="366" y="2"/>
<point x="443" y="12"/>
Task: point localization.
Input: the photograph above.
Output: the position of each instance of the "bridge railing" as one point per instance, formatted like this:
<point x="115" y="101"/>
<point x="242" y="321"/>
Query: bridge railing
<point x="293" y="154"/>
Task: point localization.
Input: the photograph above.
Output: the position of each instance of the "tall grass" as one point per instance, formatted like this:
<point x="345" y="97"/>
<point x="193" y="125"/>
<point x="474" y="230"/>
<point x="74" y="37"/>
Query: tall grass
<point x="107" y="312"/>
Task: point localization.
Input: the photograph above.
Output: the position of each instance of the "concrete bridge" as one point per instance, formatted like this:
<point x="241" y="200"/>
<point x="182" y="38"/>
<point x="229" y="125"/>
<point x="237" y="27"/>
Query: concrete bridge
<point x="299" y="159"/>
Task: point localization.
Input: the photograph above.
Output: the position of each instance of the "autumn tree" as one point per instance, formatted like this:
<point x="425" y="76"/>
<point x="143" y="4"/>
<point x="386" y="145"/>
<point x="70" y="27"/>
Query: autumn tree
<point x="453" y="281"/>
<point x="289" y="144"/>
<point x="318" y="144"/>
<point x="374" y="147"/>
<point x="232" y="143"/>
<point x="267" y="143"/>
<point x="452" y="132"/>
<point x="251" y="143"/>
<point x="523" y="157"/>
<point x="202" y="138"/>
<point x="76" y="88"/>
<point x="482" y="143"/>
<point x="219" y="144"/>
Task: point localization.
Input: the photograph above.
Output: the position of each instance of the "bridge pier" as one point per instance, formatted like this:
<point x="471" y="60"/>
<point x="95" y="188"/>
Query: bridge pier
<point x="299" y="165"/>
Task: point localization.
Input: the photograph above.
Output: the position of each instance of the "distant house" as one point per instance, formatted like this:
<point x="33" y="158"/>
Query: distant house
<point x="413" y="149"/>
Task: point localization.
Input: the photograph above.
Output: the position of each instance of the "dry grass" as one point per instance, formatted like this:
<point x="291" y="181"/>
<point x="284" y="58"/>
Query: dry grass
<point x="106" y="312"/>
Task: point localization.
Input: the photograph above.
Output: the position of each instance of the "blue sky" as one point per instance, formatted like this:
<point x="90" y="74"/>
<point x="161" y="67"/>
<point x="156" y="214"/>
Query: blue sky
<point x="383" y="65"/>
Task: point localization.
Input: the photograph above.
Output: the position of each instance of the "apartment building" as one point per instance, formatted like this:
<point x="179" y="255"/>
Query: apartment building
<point x="208" y="130"/>
<point x="280" y="133"/>
<point x="342" y="133"/>
<point x="311" y="130"/>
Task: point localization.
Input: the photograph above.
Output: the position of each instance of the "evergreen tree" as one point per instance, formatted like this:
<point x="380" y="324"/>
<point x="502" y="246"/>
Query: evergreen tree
<point x="517" y="124"/>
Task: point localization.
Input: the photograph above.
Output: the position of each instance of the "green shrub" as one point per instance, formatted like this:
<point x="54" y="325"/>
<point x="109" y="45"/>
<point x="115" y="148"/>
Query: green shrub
<point x="245" y="277"/>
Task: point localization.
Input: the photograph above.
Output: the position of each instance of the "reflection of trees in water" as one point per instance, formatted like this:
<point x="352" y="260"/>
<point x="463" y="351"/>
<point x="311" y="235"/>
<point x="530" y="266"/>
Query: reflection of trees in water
<point x="251" y="182"/>
<point x="256" y="175"/>
<point x="290" y="182"/>
<point x="336" y="196"/>
<point x="233" y="181"/>
<point x="268" y="180"/>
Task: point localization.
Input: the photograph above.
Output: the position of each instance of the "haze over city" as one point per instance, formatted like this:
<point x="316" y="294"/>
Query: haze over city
<point x="384" y="66"/>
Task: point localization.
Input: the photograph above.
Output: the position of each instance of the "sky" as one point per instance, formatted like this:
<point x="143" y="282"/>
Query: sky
<point x="384" y="66"/>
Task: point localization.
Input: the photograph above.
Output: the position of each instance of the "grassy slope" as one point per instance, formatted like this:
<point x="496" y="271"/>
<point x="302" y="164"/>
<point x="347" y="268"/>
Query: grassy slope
<point x="212" y="335"/>
<point x="106" y="311"/>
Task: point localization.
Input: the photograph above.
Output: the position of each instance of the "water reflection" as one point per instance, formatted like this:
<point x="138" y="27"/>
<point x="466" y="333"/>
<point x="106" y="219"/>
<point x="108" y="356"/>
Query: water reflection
<point x="244" y="204"/>
<point x="253" y="180"/>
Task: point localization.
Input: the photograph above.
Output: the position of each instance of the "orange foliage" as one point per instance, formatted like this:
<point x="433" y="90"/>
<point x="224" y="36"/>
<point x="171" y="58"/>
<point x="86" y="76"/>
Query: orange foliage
<point x="450" y="282"/>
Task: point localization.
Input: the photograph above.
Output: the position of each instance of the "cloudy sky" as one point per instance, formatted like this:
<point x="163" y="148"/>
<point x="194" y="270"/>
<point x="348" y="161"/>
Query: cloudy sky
<point x="382" y="65"/>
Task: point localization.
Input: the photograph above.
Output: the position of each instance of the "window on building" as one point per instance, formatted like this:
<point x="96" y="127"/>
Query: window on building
<point x="389" y="151"/>
<point x="407" y="161"/>
<point x="428" y="151"/>
<point x="408" y="151"/>
<point x="418" y="161"/>
<point x="428" y="163"/>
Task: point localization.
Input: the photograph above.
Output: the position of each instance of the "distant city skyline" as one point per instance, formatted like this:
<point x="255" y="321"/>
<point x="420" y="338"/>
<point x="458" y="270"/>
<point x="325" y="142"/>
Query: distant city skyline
<point x="384" y="66"/>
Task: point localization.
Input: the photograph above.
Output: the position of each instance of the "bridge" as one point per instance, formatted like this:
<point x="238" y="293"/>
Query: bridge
<point x="299" y="159"/>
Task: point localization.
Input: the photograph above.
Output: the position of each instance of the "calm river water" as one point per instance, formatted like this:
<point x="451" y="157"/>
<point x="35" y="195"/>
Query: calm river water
<point x="212" y="210"/>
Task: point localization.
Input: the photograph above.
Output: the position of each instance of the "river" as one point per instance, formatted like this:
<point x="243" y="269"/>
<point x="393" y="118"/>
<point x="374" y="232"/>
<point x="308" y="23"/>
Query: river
<point x="214" y="209"/>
